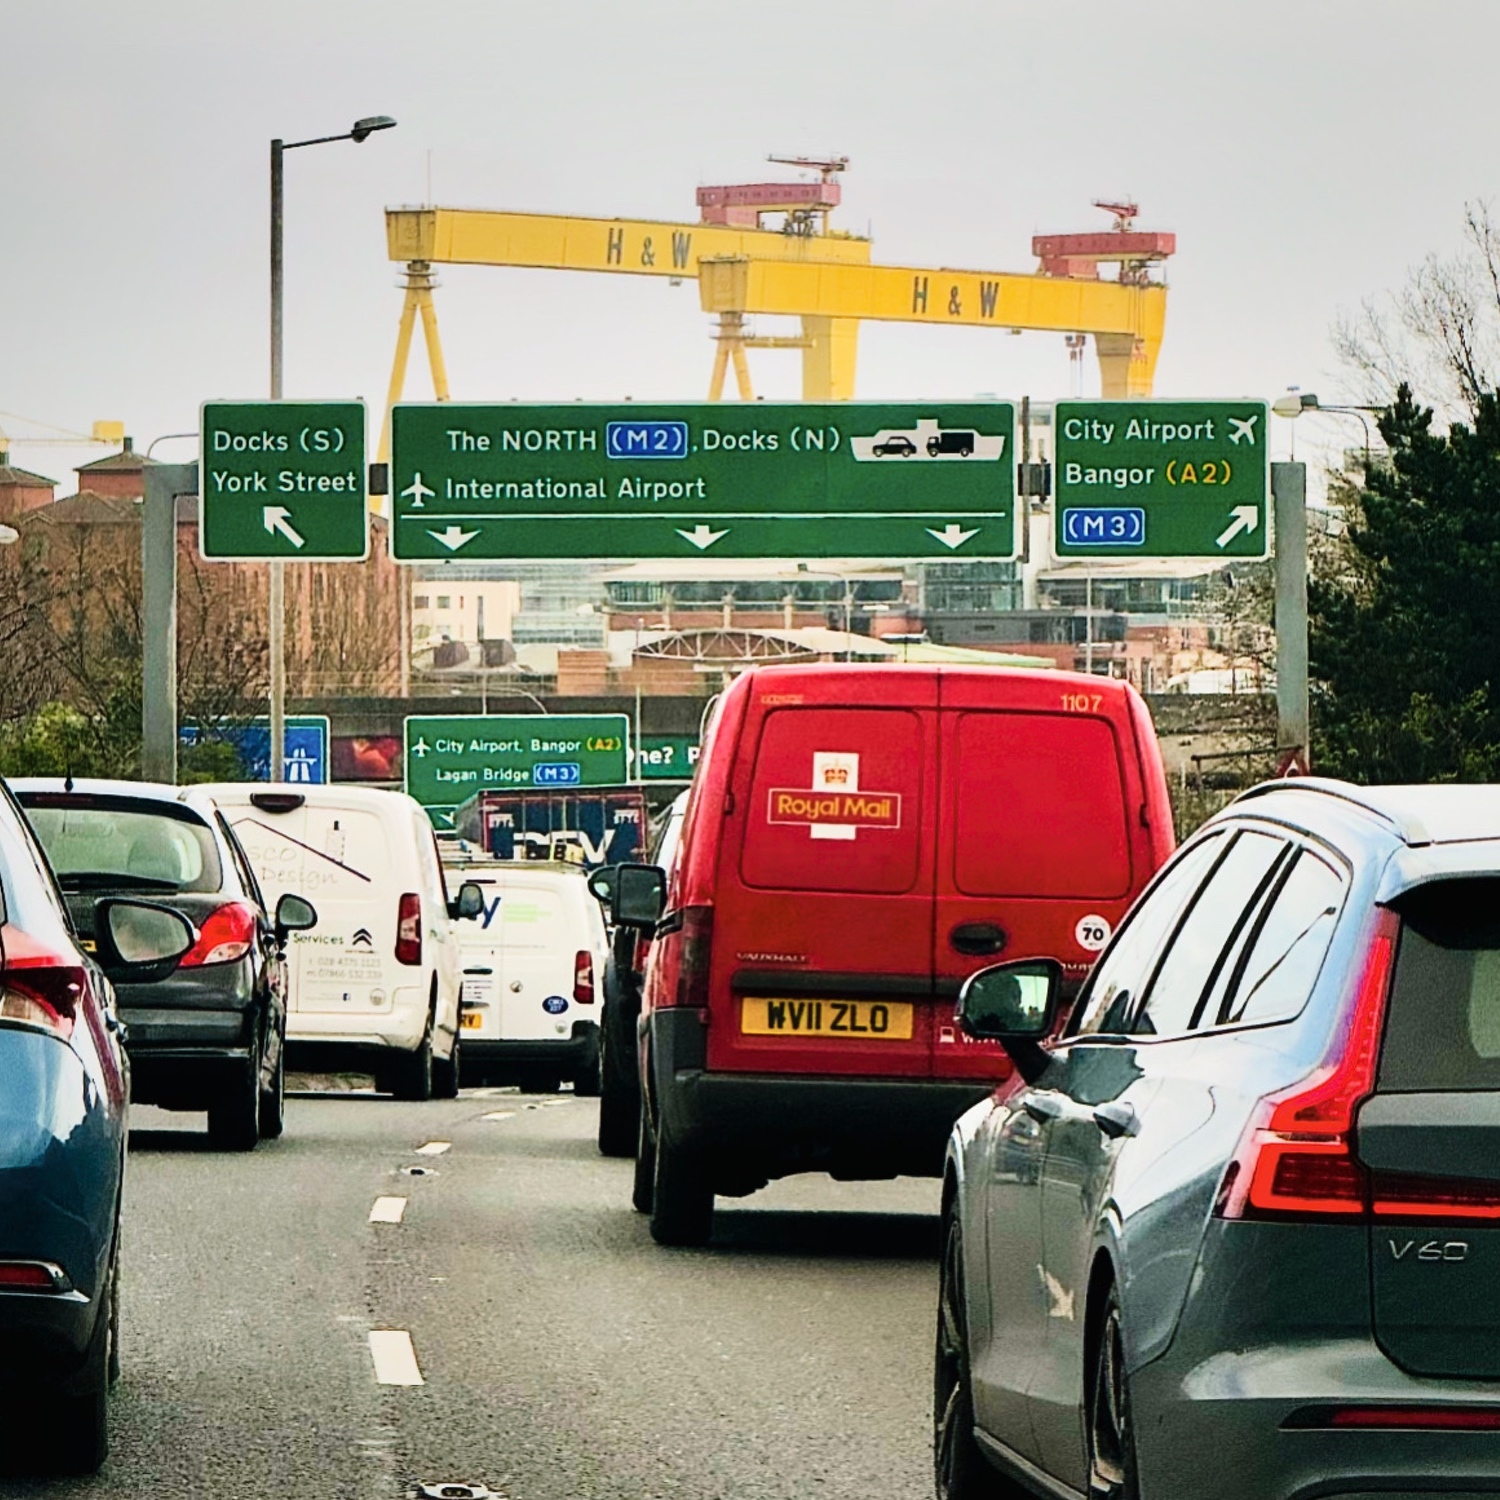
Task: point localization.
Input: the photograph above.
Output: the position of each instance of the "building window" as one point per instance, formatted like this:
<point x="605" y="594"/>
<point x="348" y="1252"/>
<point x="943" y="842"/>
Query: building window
<point x="445" y="601"/>
<point x="420" y="602"/>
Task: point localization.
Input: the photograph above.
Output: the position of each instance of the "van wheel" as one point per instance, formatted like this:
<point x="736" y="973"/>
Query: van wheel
<point x="619" y="1084"/>
<point x="445" y="1072"/>
<point x="645" y="1164"/>
<point x="682" y="1198"/>
<point x="587" y="1082"/>
<point x="411" y="1072"/>
<point x="273" y="1102"/>
<point x="234" y="1117"/>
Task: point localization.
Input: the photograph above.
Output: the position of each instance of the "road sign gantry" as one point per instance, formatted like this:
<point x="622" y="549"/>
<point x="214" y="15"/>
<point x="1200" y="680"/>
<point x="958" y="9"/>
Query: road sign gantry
<point x="763" y="480"/>
<point x="1161" y="479"/>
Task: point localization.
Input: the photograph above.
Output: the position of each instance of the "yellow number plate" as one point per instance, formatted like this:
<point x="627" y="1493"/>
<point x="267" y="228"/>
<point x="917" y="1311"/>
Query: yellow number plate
<point x="878" y="1020"/>
<point x="471" y="1020"/>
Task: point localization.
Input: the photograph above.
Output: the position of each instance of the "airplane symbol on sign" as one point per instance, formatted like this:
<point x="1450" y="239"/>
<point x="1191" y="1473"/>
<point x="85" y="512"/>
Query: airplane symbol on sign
<point x="1244" y="427"/>
<point x="421" y="747"/>
<point x="418" y="492"/>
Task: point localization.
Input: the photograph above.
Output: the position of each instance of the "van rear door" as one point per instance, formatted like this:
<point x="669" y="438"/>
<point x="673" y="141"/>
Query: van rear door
<point x="1038" y="794"/>
<point x="822" y="920"/>
<point x="1430" y="1137"/>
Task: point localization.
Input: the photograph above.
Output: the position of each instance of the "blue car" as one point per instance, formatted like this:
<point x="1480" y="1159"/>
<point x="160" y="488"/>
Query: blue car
<point x="64" y="1088"/>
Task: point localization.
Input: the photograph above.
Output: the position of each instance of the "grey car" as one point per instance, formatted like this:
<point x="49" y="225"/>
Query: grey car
<point x="1235" y="1230"/>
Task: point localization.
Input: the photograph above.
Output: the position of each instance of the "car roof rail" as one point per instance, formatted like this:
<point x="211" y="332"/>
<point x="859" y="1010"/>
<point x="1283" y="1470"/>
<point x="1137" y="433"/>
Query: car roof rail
<point x="1410" y="830"/>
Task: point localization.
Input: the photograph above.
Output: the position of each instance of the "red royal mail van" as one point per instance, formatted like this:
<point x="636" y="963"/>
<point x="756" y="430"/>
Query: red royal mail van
<point x="859" y="840"/>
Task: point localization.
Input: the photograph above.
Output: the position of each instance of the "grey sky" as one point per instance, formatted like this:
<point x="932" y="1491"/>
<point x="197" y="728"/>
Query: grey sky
<point x="1305" y="151"/>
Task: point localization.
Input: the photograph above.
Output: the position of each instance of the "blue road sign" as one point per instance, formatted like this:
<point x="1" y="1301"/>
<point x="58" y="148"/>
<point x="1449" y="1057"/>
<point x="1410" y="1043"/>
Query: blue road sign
<point x="557" y="773"/>
<point x="646" y="439"/>
<point x="305" y="753"/>
<point x="1104" y="526"/>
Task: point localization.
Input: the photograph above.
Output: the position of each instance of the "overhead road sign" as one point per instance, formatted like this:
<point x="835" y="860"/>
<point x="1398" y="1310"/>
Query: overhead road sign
<point x="450" y="758"/>
<point x="304" y="755"/>
<point x="666" y="757"/>
<point x="283" y="479"/>
<point x="1161" y="479"/>
<point x="761" y="480"/>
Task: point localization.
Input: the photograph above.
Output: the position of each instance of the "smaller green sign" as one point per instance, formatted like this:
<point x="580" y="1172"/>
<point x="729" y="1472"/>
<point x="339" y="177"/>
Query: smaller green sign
<point x="666" y="757"/>
<point x="1161" y="479"/>
<point x="282" y="479"/>
<point x="449" y="759"/>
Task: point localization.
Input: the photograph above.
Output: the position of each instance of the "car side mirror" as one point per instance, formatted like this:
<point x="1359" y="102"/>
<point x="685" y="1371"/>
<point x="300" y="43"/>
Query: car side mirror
<point x="602" y="887"/>
<point x="640" y="896"/>
<point x="294" y="914"/>
<point x="1011" y="1002"/>
<point x="470" y="902"/>
<point x="140" y="941"/>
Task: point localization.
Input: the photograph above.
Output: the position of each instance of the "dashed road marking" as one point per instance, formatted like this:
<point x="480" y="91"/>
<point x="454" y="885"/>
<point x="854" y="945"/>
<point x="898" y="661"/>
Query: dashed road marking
<point x="395" y="1359"/>
<point x="433" y="1148"/>
<point x="499" y="1114"/>
<point x="388" y="1210"/>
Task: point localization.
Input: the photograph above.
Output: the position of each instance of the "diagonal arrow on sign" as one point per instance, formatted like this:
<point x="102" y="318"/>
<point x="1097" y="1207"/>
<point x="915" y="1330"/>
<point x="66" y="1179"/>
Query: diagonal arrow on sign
<point x="1245" y="518"/>
<point x="952" y="536"/>
<point x="453" y="538"/>
<point x="274" y="519"/>
<point x="701" y="537"/>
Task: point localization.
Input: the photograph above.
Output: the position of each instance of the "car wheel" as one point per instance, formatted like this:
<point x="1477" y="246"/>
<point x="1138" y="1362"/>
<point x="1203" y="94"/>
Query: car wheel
<point x="960" y="1469"/>
<point x="682" y="1197"/>
<point x="234" y="1117"/>
<point x="273" y="1101"/>
<point x="1109" y="1431"/>
<point x="68" y="1432"/>
<point x="445" y="1072"/>
<point x="619" y="1084"/>
<point x="411" y="1072"/>
<point x="113" y="1371"/>
<point x="645" y="1164"/>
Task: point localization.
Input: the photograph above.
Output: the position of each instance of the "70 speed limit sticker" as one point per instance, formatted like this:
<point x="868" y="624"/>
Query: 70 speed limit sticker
<point x="1092" y="932"/>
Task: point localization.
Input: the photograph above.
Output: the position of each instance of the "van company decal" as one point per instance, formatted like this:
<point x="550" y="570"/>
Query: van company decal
<point x="840" y="809"/>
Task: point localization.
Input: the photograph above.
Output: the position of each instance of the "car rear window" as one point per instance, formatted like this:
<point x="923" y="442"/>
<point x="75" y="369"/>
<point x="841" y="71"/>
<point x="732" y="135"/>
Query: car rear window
<point x="116" y="843"/>
<point x="1039" y="807"/>
<point x="835" y="803"/>
<point x="1443" y="1024"/>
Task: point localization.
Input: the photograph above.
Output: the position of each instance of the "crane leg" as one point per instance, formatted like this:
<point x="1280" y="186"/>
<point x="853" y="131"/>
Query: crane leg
<point x="716" y="380"/>
<point x="398" y="370"/>
<point x="1127" y="364"/>
<point x="741" y="371"/>
<point x="434" y="346"/>
<point x="828" y="358"/>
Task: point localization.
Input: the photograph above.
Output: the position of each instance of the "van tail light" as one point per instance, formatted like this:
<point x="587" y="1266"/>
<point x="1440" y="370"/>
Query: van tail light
<point x="38" y="987"/>
<point x="409" y="929"/>
<point x="225" y="936"/>
<point x="583" y="977"/>
<point x="695" y="956"/>
<point x="1297" y="1155"/>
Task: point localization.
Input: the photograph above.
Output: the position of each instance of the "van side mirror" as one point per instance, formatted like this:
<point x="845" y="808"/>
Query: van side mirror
<point x="1015" y="1002"/>
<point x="294" y="914"/>
<point x="140" y="941"/>
<point x="640" y="896"/>
<point x="602" y="887"/>
<point x="470" y="902"/>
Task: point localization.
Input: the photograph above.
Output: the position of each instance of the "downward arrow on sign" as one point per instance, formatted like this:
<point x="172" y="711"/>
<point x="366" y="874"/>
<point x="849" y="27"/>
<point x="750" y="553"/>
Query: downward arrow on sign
<point x="274" y="519"/>
<point x="701" y="537"/>
<point x="952" y="536"/>
<point x="453" y="538"/>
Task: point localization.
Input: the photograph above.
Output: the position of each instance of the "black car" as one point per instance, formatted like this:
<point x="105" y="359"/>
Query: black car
<point x="895" y="447"/>
<point x="210" y="1036"/>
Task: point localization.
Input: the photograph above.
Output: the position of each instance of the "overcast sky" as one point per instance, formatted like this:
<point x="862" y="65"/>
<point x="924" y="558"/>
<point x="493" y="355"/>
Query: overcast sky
<point x="1306" y="152"/>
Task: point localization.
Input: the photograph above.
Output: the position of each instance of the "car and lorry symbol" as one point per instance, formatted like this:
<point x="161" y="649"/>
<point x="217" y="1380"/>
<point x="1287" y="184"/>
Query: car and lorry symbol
<point x="927" y="439"/>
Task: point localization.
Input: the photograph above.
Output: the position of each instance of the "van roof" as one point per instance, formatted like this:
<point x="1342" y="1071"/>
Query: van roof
<point x="772" y="678"/>
<point x="317" y="794"/>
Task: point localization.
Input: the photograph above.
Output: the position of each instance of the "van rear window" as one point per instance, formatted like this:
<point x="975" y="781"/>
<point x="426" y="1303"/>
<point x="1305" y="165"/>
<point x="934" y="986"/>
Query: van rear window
<point x="1039" y="807"/>
<point x="1443" y="1024"/>
<point x="836" y="802"/>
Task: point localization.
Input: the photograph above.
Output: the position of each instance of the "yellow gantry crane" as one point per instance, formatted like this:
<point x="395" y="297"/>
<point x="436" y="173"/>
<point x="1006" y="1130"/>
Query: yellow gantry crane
<point x="801" y="269"/>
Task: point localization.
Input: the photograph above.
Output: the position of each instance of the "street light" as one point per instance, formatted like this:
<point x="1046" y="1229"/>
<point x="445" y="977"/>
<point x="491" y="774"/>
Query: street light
<point x="1295" y="402"/>
<point x="360" y="131"/>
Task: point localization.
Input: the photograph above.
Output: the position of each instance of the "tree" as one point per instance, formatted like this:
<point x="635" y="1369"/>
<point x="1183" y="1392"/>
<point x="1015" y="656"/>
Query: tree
<point x="1405" y="638"/>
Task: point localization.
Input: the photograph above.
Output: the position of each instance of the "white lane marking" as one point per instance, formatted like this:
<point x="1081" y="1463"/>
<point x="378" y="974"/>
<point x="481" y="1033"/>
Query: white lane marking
<point x="499" y="1114"/>
<point x="395" y="1359"/>
<point x="433" y="1148"/>
<point x="388" y="1210"/>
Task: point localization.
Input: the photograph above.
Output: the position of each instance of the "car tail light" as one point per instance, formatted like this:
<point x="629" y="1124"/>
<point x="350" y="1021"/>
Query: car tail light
<point x="39" y="987"/>
<point x="583" y="977"/>
<point x="33" y="1276"/>
<point x="1442" y="1418"/>
<point x="1297" y="1156"/>
<point x="1404" y="1196"/>
<point x="695" y="956"/>
<point x="409" y="929"/>
<point x="225" y="936"/>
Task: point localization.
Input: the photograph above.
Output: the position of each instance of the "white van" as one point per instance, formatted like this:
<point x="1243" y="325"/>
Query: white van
<point x="376" y="985"/>
<point x="533" y="974"/>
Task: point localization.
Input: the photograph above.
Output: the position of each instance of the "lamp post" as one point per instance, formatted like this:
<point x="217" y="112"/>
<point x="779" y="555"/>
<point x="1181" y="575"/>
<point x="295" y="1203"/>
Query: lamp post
<point x="359" y="132"/>
<point x="1295" y="402"/>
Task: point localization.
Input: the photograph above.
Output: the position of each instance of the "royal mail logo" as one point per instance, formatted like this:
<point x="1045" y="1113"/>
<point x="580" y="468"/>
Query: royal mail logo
<point x="842" y="809"/>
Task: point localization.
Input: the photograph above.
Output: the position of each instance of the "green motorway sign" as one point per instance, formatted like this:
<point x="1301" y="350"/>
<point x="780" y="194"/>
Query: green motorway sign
<point x="448" y="759"/>
<point x="1160" y="479"/>
<point x="932" y="480"/>
<point x="282" y="479"/>
<point x="666" y="757"/>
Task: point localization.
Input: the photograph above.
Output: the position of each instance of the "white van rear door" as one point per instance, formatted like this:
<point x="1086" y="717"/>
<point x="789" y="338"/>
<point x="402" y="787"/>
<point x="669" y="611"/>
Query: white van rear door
<point x="538" y="947"/>
<point x="480" y="954"/>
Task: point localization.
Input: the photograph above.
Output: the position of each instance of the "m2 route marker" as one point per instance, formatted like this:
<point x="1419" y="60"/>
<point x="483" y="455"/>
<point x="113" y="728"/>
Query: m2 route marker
<point x="1161" y="479"/>
<point x="282" y="479"/>
<point x="762" y="480"/>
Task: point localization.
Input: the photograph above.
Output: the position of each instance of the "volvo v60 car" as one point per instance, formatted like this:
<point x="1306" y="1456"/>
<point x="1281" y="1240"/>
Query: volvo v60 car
<point x="212" y="1035"/>
<point x="63" y="1102"/>
<point x="1235" y="1231"/>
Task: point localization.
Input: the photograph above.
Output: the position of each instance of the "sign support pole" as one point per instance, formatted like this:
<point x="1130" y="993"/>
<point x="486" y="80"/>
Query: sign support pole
<point x="276" y="595"/>
<point x="1289" y="494"/>
<point x="164" y="483"/>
